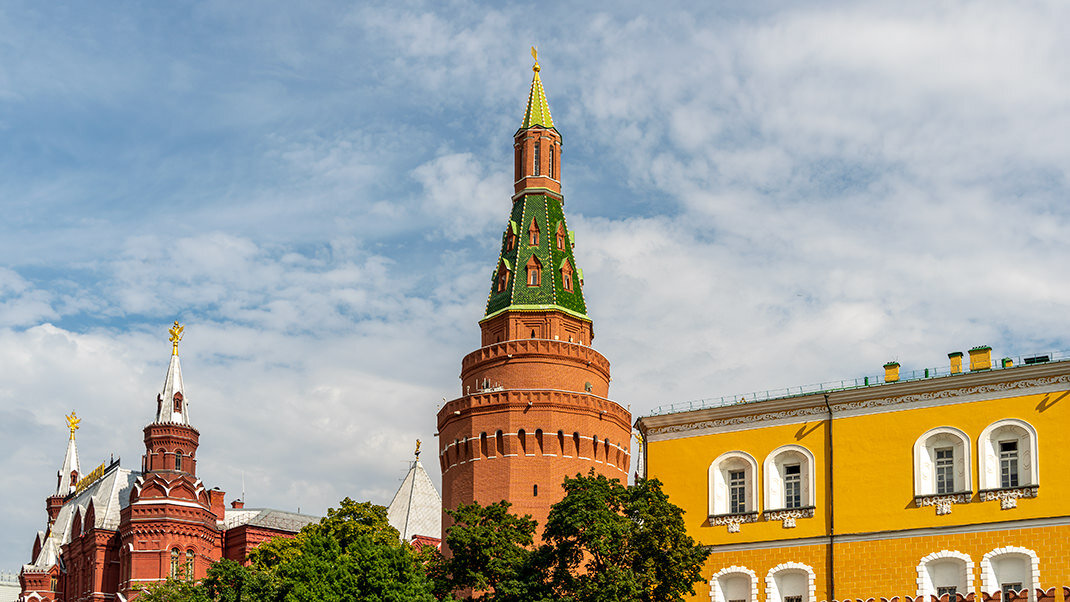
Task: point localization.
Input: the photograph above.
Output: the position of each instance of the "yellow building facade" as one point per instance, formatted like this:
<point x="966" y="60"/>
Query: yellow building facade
<point x="951" y="484"/>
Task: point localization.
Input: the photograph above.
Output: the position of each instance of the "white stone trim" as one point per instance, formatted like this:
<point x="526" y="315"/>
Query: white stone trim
<point x="988" y="456"/>
<point x="772" y="593"/>
<point x="989" y="583"/>
<point x="715" y="586"/>
<point x="717" y="486"/>
<point x="925" y="585"/>
<point x="924" y="465"/>
<point x="774" y="485"/>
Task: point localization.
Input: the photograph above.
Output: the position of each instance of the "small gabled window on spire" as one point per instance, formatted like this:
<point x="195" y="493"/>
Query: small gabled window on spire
<point x="178" y="403"/>
<point x="533" y="233"/>
<point x="538" y="147"/>
<point x="562" y="236"/>
<point x="503" y="277"/>
<point x="534" y="271"/>
<point x="566" y="276"/>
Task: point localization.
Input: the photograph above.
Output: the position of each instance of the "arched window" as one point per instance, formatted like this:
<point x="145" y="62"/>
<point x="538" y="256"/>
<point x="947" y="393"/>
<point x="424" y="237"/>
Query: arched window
<point x="535" y="490"/>
<point x="942" y="474"/>
<point x="523" y="437"/>
<point x="538" y="441"/>
<point x="733" y="484"/>
<point x="533" y="233"/>
<point x="538" y="147"/>
<point x="189" y="564"/>
<point x="945" y="572"/>
<point x="178" y="460"/>
<point x="499" y="444"/>
<point x="174" y="563"/>
<point x="483" y="451"/>
<point x="561" y="442"/>
<point x="734" y="584"/>
<point x="576" y="444"/>
<point x="1008" y="459"/>
<point x="789" y="478"/>
<point x="551" y="151"/>
<point x="790" y="582"/>
<point x="1010" y="569"/>
<point x="534" y="271"/>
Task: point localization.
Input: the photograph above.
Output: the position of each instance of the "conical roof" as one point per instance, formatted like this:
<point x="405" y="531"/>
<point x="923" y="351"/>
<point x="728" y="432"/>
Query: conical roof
<point x="538" y="112"/>
<point x="70" y="461"/>
<point x="168" y="408"/>
<point x="416" y="508"/>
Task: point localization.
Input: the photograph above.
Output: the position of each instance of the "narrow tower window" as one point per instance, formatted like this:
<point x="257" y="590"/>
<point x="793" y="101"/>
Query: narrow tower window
<point x="178" y="460"/>
<point x="174" y="562"/>
<point x="523" y="442"/>
<point x="500" y="444"/>
<point x="538" y="441"/>
<point x="538" y="146"/>
<point x="551" y="173"/>
<point x="483" y="451"/>
<point x="189" y="564"/>
<point x="535" y="490"/>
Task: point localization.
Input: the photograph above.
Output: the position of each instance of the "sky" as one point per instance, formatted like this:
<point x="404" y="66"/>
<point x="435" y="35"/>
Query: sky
<point x="764" y="195"/>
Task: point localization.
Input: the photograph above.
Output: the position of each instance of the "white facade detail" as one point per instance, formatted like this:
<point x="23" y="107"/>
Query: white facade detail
<point x="1010" y="564"/>
<point x="936" y="453"/>
<point x="946" y="568"/>
<point x="1021" y="435"/>
<point x="776" y="470"/>
<point x="719" y="478"/>
<point x="734" y="583"/>
<point x="789" y="580"/>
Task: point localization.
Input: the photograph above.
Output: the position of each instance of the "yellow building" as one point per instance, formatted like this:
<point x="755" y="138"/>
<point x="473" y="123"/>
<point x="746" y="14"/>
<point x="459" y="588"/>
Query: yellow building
<point x="919" y="486"/>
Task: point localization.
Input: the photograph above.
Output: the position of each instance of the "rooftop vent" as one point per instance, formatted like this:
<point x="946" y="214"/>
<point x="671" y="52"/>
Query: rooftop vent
<point x="1036" y="359"/>
<point x="956" y="362"/>
<point x="891" y="372"/>
<point x="980" y="358"/>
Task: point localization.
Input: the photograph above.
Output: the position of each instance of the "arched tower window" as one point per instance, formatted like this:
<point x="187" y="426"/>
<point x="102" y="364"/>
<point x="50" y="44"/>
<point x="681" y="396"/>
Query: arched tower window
<point x="538" y="147"/>
<point x="523" y="437"/>
<point x="551" y="157"/>
<point x="500" y="443"/>
<point x="174" y="563"/>
<point x="189" y="564"/>
<point x="561" y="442"/>
<point x="178" y="460"/>
<point x="483" y="451"/>
<point x="178" y="401"/>
<point x="538" y="441"/>
<point x="576" y="444"/>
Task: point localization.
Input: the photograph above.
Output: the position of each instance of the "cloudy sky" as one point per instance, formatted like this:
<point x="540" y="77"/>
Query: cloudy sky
<point x="764" y="194"/>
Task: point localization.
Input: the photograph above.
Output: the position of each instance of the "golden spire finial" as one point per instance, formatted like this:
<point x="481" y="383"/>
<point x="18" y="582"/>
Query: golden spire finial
<point x="535" y="55"/>
<point x="417" y="448"/>
<point x="72" y="422"/>
<point x="176" y="336"/>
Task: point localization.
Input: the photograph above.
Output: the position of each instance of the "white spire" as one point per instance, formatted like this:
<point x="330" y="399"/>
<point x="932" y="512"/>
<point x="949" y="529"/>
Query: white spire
<point x="416" y="508"/>
<point x="65" y="483"/>
<point x="171" y="403"/>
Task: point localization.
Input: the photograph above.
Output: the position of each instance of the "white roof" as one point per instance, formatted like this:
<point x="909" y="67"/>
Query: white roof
<point x="109" y="494"/>
<point x="70" y="464"/>
<point x="172" y="384"/>
<point x="268" y="518"/>
<point x="416" y="508"/>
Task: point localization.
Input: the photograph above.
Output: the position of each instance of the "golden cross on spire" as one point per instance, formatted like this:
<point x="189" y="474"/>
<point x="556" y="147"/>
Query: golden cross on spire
<point x="72" y="422"/>
<point x="176" y="336"/>
<point x="535" y="55"/>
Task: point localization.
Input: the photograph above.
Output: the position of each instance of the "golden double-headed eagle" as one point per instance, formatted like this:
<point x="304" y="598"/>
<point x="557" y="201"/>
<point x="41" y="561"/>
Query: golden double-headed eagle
<point x="72" y="422"/>
<point x="176" y="336"/>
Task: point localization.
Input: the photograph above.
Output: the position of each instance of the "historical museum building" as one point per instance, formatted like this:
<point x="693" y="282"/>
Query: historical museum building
<point x="115" y="530"/>
<point x="534" y="405"/>
<point x="919" y="486"/>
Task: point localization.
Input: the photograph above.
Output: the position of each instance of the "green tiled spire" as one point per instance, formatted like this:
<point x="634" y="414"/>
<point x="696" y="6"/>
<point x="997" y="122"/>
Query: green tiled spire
<point x="545" y="212"/>
<point x="538" y="112"/>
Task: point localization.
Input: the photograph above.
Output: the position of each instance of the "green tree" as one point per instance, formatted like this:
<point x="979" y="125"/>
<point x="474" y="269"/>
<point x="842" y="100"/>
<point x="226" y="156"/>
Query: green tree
<point x="173" y="590"/>
<point x="489" y="550"/>
<point x="611" y="543"/>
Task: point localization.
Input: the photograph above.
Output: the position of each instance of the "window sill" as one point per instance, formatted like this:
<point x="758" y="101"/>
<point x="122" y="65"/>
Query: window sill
<point x="943" y="501"/>
<point x="788" y="515"/>
<point x="733" y="520"/>
<point x="1008" y="496"/>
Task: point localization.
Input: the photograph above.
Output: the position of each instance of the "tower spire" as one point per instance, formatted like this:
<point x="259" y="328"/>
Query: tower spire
<point x="171" y="403"/>
<point x="538" y="112"/>
<point x="69" y="472"/>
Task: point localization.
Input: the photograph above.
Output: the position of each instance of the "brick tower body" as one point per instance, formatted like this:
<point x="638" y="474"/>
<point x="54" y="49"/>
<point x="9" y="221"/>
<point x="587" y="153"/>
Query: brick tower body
<point x="534" y="406"/>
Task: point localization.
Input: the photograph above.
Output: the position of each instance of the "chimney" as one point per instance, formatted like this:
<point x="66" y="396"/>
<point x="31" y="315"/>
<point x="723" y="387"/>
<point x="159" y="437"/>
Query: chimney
<point x="956" y="362"/>
<point x="891" y="372"/>
<point x="237" y="504"/>
<point x="981" y="358"/>
<point x="1008" y="362"/>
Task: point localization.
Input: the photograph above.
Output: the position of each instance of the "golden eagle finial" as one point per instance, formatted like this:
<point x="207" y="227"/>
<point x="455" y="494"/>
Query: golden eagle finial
<point x="176" y="336"/>
<point x="535" y="55"/>
<point x="72" y="422"/>
<point x="417" y="448"/>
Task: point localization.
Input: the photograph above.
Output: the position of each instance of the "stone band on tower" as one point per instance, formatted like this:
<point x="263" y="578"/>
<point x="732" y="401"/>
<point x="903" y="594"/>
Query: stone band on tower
<point x="534" y="406"/>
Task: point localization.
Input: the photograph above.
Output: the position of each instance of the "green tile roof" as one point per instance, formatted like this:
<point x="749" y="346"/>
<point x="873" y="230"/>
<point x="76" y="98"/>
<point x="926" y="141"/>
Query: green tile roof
<point x="538" y="112"/>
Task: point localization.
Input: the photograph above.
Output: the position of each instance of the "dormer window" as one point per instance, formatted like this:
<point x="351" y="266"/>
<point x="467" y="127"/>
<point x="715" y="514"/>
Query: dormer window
<point x="533" y="234"/>
<point x="534" y="272"/>
<point x="561" y="236"/>
<point x="566" y="276"/>
<point x="178" y="402"/>
<point x="503" y="278"/>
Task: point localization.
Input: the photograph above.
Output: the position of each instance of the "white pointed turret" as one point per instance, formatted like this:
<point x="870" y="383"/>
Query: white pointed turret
<point x="69" y="472"/>
<point x="171" y="403"/>
<point x="417" y="507"/>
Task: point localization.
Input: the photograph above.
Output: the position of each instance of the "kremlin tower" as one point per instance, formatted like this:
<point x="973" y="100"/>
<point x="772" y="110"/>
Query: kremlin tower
<point x="534" y="406"/>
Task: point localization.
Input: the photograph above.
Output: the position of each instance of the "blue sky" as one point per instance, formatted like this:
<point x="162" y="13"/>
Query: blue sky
<point x="772" y="195"/>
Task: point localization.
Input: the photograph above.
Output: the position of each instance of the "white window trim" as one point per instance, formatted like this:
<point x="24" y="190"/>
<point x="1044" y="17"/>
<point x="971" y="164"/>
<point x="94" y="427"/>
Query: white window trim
<point x="988" y="574"/>
<point x="988" y="462"/>
<point x="718" y="486"/>
<point x="774" y="485"/>
<point x="924" y="469"/>
<point x="715" y="585"/>
<point x="772" y="592"/>
<point x="925" y="585"/>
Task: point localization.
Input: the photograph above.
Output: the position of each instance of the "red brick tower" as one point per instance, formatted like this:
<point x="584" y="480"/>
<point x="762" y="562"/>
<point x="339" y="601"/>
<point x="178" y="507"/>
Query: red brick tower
<point x="169" y="528"/>
<point x="534" y="405"/>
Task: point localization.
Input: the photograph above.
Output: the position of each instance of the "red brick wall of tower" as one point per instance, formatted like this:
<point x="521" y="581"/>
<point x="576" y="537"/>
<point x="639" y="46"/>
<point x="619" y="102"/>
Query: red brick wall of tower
<point x="543" y="416"/>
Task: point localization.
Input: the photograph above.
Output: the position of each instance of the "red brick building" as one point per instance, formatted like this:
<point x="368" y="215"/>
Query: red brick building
<point x="534" y="406"/>
<point x="115" y="530"/>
